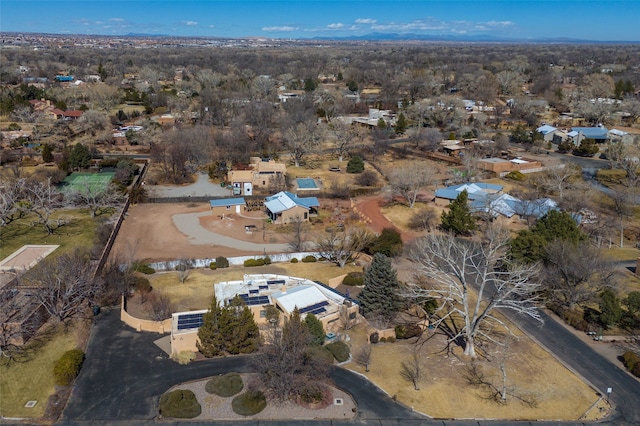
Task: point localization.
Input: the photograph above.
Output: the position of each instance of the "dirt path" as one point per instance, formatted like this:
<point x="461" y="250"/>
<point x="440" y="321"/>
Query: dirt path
<point x="370" y="207"/>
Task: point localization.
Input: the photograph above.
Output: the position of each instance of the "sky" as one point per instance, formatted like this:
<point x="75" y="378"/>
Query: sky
<point x="601" y="20"/>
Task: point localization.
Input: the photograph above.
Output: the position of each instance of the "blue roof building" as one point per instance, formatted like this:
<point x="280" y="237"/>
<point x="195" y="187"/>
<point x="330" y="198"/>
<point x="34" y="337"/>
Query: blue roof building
<point x="475" y="191"/>
<point x="222" y="206"/>
<point x="285" y="207"/>
<point x="599" y="134"/>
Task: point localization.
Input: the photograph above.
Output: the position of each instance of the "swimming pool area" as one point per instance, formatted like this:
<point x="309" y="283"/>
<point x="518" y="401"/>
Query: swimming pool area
<point x="306" y="184"/>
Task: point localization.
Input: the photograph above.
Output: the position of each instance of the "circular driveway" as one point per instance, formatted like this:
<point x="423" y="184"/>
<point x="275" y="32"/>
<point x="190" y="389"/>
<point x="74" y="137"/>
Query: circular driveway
<point x="125" y="373"/>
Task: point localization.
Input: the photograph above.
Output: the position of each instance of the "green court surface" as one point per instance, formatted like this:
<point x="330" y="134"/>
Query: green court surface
<point x="88" y="181"/>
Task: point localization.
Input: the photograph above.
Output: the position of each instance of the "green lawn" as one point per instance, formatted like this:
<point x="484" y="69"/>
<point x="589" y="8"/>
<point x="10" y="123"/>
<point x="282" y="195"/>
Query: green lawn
<point x="32" y="380"/>
<point x="78" y="232"/>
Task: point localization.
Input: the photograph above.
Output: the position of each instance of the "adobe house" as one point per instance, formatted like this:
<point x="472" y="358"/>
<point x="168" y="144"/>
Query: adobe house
<point x="259" y="292"/>
<point x="257" y="175"/>
<point x="285" y="207"/>
<point x="227" y="206"/>
<point x="501" y="167"/>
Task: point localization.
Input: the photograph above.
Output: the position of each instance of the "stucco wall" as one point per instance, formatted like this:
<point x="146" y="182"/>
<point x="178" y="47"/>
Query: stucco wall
<point x="144" y="325"/>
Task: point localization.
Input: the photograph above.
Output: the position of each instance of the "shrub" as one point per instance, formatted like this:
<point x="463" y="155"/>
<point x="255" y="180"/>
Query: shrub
<point x="294" y="260"/>
<point x="267" y="260"/>
<point x="391" y="339"/>
<point x="422" y="219"/>
<point x="253" y="262"/>
<point x="309" y="259"/>
<point x="367" y="178"/>
<point x="354" y="279"/>
<point x="226" y="385"/>
<point x="183" y="357"/>
<point x="67" y="368"/>
<point x="630" y="360"/>
<point x="374" y="337"/>
<point x="213" y="266"/>
<point x="407" y="331"/>
<point x="516" y="175"/>
<point x="249" y="403"/>
<point x="383" y="339"/>
<point x="355" y="165"/>
<point x="389" y="243"/>
<point x="143" y="268"/>
<point x="340" y="351"/>
<point x="181" y="404"/>
<point x="312" y="394"/>
<point x="141" y="284"/>
<point x="222" y="262"/>
<point x="321" y="353"/>
<point x="575" y="319"/>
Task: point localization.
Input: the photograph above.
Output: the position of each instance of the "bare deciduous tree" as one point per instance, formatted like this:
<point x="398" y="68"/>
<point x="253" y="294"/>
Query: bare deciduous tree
<point x="11" y="205"/>
<point x="42" y="200"/>
<point x="184" y="269"/>
<point x="363" y="356"/>
<point x="97" y="199"/>
<point x="160" y="306"/>
<point x="410" y="179"/>
<point x="575" y="273"/>
<point x="412" y="370"/>
<point x="64" y="284"/>
<point x="450" y="270"/>
<point x="343" y="246"/>
<point x="302" y="139"/>
<point x="297" y="237"/>
<point x="346" y="137"/>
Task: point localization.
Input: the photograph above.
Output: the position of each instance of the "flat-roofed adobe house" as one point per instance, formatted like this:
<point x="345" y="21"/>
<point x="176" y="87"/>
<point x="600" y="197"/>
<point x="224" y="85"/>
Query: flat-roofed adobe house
<point x="226" y="206"/>
<point x="257" y="175"/>
<point x="285" y="207"/>
<point x="259" y="292"/>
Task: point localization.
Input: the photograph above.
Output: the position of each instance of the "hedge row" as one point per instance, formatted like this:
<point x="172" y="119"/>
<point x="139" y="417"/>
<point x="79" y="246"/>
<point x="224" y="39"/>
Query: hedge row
<point x="257" y="262"/>
<point x="67" y="368"/>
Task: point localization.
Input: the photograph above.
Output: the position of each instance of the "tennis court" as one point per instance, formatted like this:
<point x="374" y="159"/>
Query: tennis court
<point x="90" y="181"/>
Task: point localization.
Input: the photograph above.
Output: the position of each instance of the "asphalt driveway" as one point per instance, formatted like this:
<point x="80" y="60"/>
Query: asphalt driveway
<point x="125" y="373"/>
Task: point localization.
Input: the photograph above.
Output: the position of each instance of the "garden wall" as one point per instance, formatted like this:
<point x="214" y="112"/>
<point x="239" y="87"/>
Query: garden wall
<point x="143" y="325"/>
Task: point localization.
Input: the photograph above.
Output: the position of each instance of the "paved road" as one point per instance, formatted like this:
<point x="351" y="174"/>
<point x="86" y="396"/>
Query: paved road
<point x="596" y="369"/>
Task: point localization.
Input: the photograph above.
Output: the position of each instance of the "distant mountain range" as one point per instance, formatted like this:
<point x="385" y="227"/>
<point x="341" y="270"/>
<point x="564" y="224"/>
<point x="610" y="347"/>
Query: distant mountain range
<point x="482" y="38"/>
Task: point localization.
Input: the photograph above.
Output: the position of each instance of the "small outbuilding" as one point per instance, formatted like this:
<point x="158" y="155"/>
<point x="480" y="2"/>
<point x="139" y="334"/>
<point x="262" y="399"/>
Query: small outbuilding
<point x="225" y="206"/>
<point x="285" y="207"/>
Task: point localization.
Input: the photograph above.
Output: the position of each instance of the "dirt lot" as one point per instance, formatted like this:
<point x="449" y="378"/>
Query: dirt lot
<point x="150" y="233"/>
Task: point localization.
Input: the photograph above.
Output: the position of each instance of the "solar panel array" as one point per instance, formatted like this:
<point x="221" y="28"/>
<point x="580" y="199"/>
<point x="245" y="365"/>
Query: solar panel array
<point x="317" y="311"/>
<point x="254" y="300"/>
<point x="315" y="307"/>
<point x="275" y="282"/>
<point x="188" y="321"/>
<point x="263" y="287"/>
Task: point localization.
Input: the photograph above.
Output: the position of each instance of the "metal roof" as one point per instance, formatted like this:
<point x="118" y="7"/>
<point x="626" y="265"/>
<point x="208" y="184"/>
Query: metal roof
<point x="222" y="202"/>
<point x="592" y="132"/>
<point x="285" y="200"/>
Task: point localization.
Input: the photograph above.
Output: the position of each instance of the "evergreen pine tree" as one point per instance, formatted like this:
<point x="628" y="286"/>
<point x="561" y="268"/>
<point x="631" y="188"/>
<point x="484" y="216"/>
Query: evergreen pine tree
<point x="380" y="294"/>
<point x="314" y="325"/>
<point x="47" y="153"/>
<point x="401" y="124"/>
<point x="459" y="219"/>
<point x="211" y="340"/>
<point x="240" y="328"/>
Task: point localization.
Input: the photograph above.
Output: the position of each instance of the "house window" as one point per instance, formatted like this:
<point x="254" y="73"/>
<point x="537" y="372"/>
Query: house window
<point x="306" y="215"/>
<point x="228" y="207"/>
<point x="264" y="183"/>
<point x="352" y="315"/>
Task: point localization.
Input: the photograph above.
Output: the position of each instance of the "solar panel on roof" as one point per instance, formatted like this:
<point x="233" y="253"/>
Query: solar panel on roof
<point x="318" y="311"/>
<point x="263" y="287"/>
<point x="189" y="321"/>
<point x="254" y="291"/>
<point x="274" y="282"/>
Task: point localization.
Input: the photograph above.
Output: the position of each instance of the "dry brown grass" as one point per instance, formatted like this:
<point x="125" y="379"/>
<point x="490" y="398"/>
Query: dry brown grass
<point x="197" y="290"/>
<point x="401" y="214"/>
<point x="445" y="393"/>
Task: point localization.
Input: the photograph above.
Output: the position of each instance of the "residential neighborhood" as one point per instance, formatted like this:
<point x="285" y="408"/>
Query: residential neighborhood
<point x="222" y="230"/>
